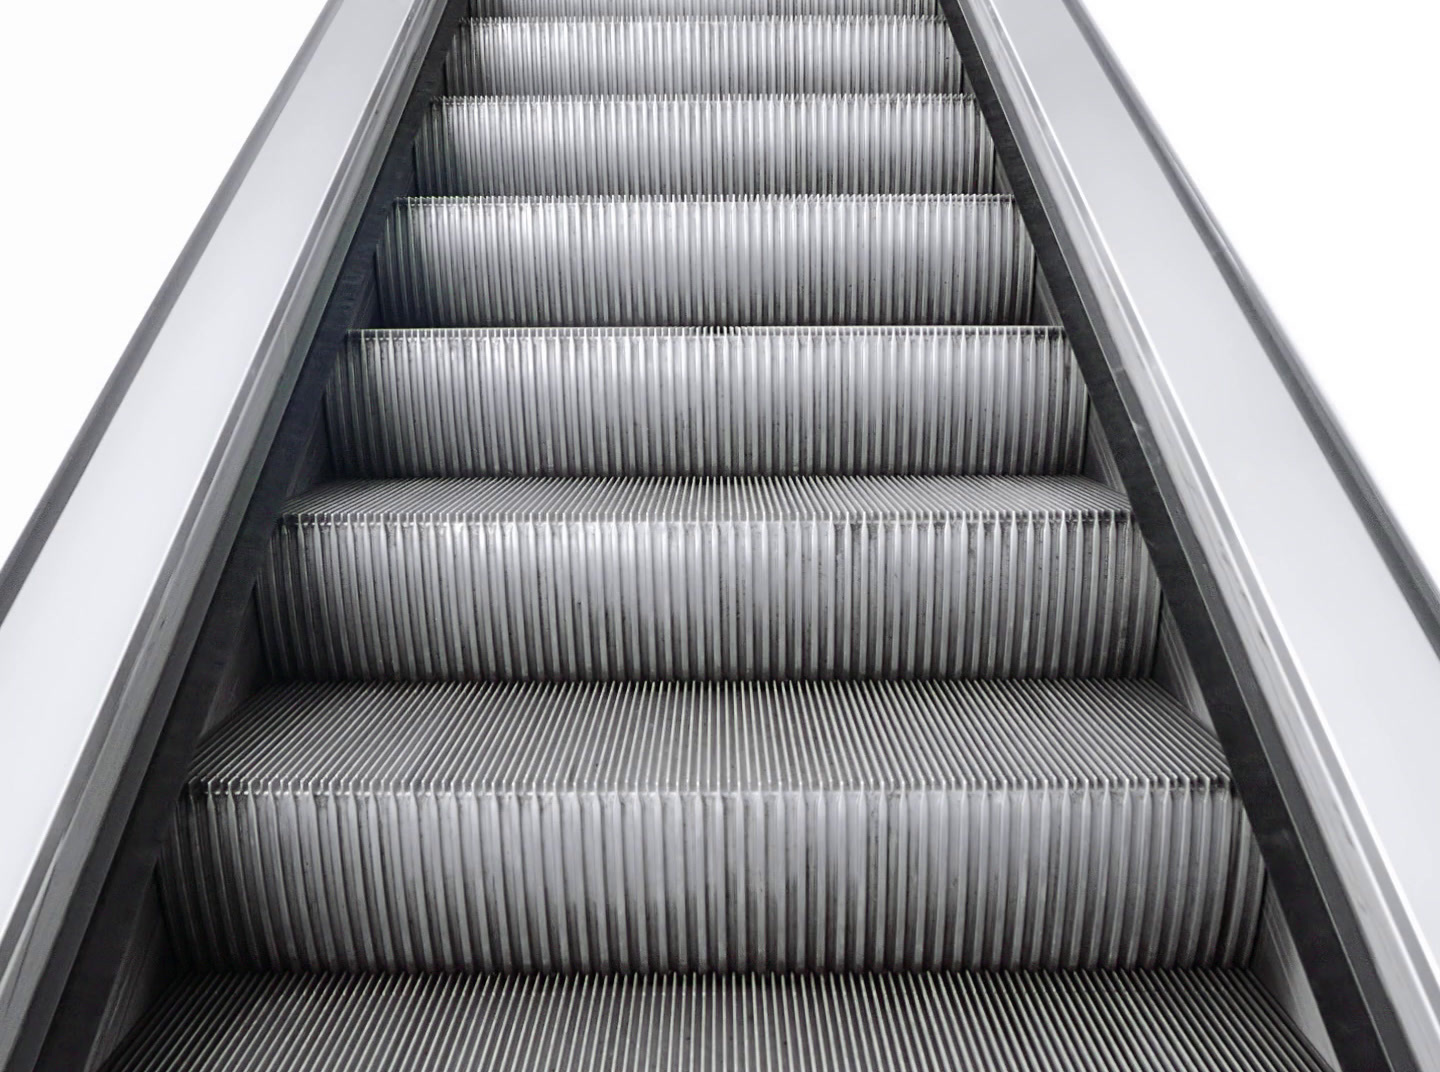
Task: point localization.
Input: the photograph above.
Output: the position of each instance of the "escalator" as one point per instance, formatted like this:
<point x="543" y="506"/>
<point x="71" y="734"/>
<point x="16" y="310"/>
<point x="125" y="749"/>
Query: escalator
<point x="712" y="633"/>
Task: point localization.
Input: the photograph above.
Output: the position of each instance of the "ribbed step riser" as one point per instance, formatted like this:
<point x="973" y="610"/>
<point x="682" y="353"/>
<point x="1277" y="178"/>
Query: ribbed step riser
<point x="521" y="57"/>
<point x="1114" y="876"/>
<point x="966" y="1022"/>
<point x="607" y="402"/>
<point x="776" y="145"/>
<point x="593" y="9"/>
<point x="480" y="263"/>
<point x="405" y="597"/>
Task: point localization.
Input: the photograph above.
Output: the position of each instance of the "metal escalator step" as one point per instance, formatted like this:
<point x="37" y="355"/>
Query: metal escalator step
<point x="627" y="578"/>
<point x="1196" y="1021"/>
<point x="706" y="145"/>
<point x="695" y="402"/>
<point x="590" y="9"/>
<point x="479" y="262"/>
<point x="712" y="827"/>
<point x="823" y="54"/>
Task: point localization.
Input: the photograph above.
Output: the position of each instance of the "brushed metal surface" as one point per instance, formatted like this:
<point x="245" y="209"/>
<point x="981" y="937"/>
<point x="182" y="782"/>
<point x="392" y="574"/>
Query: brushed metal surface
<point x="753" y="615"/>
<point x="821" y="54"/>
<point x="706" y="145"/>
<point x="477" y="262"/>
<point x="589" y="9"/>
<point x="1216" y="1021"/>
<point x="730" y="401"/>
<point x="556" y="578"/>
<point x="146" y="970"/>
<point x="676" y="827"/>
<point x="1276" y="966"/>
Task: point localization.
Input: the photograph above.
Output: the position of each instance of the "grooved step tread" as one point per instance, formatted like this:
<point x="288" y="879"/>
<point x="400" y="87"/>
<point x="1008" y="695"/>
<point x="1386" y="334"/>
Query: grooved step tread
<point x="728" y="401"/>
<point x="710" y="738"/>
<point x="684" y="500"/>
<point x="705" y="145"/>
<point x="665" y="827"/>
<point x="589" y="9"/>
<point x="978" y="1022"/>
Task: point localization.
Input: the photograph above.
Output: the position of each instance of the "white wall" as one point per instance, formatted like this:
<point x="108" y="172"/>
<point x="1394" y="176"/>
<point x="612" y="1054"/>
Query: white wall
<point x="1309" y="128"/>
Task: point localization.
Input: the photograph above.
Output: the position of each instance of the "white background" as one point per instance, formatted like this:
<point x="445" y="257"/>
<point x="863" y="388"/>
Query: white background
<point x="1309" y="127"/>
<point x="1311" y="131"/>
<point x="119" y="122"/>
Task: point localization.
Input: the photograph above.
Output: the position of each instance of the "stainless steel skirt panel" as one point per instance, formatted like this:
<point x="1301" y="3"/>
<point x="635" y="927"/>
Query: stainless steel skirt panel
<point x="823" y="54"/>
<point x="650" y="827"/>
<point x="706" y="145"/>
<point x="1182" y="1021"/>
<point x="729" y="402"/>
<point x="478" y="262"/>
<point x="615" y="578"/>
